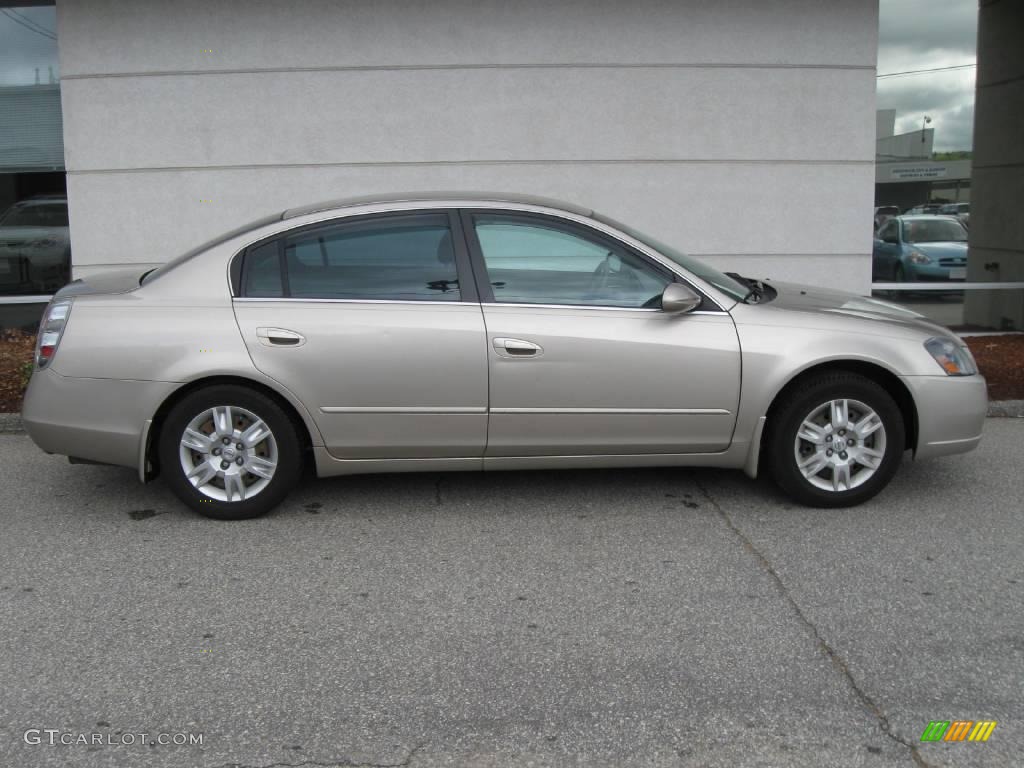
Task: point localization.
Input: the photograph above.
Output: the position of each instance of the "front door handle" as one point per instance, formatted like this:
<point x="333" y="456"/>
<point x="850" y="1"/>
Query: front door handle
<point x="516" y="347"/>
<point x="280" y="337"/>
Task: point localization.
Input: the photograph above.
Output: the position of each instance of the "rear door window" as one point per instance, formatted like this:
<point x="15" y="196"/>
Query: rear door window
<point x="381" y="258"/>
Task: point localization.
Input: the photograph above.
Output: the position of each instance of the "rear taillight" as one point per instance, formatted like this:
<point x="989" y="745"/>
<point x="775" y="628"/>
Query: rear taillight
<point x="50" y="330"/>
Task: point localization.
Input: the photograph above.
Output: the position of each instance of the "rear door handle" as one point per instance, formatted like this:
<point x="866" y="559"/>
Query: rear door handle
<point x="516" y="347"/>
<point x="280" y="337"/>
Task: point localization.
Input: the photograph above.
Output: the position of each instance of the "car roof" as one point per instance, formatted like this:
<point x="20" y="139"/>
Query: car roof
<point x="435" y="197"/>
<point x="916" y="217"/>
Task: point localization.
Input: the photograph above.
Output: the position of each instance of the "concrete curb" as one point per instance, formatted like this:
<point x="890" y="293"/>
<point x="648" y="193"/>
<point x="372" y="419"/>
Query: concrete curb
<point x="10" y="423"/>
<point x="1012" y="409"/>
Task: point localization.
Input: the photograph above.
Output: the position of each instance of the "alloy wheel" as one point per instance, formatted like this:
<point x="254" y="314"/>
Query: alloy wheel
<point x="840" y="445"/>
<point x="228" y="453"/>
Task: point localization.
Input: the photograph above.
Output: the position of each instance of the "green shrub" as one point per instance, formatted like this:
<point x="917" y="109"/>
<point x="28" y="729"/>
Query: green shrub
<point x="26" y="373"/>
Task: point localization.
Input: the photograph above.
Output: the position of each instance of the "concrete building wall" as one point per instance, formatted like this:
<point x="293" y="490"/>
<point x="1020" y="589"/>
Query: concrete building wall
<point x="916" y="144"/>
<point x="739" y="131"/>
<point x="885" y="123"/>
<point x="997" y="186"/>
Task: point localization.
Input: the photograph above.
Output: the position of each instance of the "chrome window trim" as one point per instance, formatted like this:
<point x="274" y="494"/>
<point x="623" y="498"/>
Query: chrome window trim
<point x="411" y="302"/>
<point x="443" y="205"/>
<point x="461" y="303"/>
<point x="599" y="307"/>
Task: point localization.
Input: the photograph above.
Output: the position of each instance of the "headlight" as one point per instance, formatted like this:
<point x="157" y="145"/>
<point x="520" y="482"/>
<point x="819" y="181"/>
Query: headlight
<point x="955" y="359"/>
<point x="919" y="258"/>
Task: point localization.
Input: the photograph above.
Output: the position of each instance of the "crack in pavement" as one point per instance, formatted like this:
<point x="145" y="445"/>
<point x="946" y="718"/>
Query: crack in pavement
<point x="340" y="763"/>
<point x="833" y="656"/>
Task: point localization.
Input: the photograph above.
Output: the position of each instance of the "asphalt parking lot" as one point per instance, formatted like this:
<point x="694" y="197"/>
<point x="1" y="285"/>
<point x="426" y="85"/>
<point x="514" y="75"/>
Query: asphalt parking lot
<point x="604" y="618"/>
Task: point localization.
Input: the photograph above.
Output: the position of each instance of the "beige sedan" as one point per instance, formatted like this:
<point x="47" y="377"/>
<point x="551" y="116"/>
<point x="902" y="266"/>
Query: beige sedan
<point x="458" y="332"/>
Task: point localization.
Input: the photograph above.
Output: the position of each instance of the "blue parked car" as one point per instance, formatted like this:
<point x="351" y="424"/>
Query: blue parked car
<point x="925" y="249"/>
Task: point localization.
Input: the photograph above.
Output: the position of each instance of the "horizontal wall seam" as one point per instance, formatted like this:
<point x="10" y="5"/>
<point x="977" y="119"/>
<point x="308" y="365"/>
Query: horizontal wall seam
<point x="440" y="67"/>
<point x="986" y="166"/>
<point x="430" y="163"/>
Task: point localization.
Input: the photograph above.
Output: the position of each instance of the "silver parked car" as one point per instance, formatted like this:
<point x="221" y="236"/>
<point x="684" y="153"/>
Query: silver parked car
<point x="35" y="251"/>
<point x="457" y="331"/>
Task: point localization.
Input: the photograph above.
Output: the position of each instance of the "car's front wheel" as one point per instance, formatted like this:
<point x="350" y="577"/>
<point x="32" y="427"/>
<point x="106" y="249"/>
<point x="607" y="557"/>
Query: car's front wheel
<point x="229" y="452"/>
<point x="836" y="440"/>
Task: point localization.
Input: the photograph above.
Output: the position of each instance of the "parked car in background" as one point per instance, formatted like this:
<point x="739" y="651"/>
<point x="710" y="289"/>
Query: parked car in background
<point x="962" y="211"/>
<point x="920" y="249"/>
<point x="883" y="213"/>
<point x="923" y="209"/>
<point x="35" y="246"/>
<point x="483" y="332"/>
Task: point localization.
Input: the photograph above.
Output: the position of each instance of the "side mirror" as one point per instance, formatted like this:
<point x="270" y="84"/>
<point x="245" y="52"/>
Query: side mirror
<point x="679" y="298"/>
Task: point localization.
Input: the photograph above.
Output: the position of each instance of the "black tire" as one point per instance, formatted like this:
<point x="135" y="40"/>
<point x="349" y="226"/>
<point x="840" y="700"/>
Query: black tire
<point x="803" y="400"/>
<point x="285" y="433"/>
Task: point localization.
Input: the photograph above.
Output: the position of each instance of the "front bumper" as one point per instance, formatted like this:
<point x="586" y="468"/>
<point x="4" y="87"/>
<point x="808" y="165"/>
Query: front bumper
<point x="96" y="419"/>
<point x="950" y="413"/>
<point x="931" y="273"/>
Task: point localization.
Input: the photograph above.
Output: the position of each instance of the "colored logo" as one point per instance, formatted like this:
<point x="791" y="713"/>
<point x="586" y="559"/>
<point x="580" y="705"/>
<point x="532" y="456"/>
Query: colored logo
<point x="958" y="730"/>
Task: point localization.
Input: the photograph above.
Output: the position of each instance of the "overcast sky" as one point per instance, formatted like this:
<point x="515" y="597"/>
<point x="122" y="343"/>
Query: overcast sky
<point x="922" y="34"/>
<point x="22" y="50"/>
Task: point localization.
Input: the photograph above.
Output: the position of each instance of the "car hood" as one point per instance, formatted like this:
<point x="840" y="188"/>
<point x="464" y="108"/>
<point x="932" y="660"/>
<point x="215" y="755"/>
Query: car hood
<point x="812" y="299"/>
<point x="941" y="250"/>
<point x="116" y="281"/>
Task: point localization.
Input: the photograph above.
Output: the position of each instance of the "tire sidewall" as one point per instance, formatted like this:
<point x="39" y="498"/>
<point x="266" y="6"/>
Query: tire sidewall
<point x="289" y="448"/>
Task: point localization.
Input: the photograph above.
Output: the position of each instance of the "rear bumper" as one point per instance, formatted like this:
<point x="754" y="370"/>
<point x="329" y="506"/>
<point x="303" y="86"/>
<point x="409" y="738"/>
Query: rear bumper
<point x="950" y="412"/>
<point x="97" y="419"/>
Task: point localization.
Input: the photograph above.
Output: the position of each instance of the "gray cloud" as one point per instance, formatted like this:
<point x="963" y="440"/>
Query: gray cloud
<point x="925" y="34"/>
<point x="925" y="25"/>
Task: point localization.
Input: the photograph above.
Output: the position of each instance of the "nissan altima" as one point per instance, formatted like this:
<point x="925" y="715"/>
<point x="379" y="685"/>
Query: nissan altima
<point x="423" y="333"/>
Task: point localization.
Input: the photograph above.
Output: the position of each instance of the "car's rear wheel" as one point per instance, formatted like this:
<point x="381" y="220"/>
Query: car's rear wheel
<point x="230" y="452"/>
<point x="836" y="440"/>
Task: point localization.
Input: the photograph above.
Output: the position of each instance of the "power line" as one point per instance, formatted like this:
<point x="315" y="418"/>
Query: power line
<point x="922" y="71"/>
<point x="19" y="22"/>
<point x="35" y="24"/>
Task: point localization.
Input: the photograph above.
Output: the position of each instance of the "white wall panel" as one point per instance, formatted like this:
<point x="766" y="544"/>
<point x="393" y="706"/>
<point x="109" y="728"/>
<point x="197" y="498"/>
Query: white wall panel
<point x="112" y="36"/>
<point x="669" y="201"/>
<point x="741" y="130"/>
<point x="492" y="114"/>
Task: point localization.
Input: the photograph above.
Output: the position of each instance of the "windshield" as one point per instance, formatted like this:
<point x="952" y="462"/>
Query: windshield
<point x="934" y="231"/>
<point x="36" y="215"/>
<point x="721" y="281"/>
